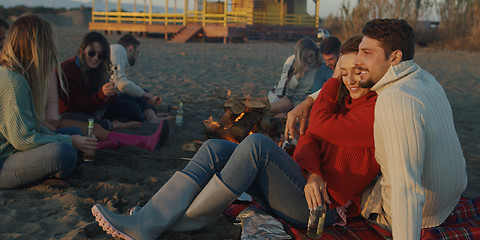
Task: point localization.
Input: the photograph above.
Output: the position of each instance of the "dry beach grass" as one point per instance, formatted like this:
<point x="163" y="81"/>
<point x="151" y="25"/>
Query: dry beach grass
<point x="201" y="74"/>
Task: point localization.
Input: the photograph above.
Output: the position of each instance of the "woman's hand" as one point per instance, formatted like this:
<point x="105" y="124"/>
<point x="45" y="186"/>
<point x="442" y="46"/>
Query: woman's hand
<point x="84" y="144"/>
<point x="337" y="73"/>
<point x="314" y="191"/>
<point x="109" y="89"/>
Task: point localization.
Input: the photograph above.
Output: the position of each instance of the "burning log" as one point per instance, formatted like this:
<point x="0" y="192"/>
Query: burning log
<point x="241" y="118"/>
<point x="244" y="125"/>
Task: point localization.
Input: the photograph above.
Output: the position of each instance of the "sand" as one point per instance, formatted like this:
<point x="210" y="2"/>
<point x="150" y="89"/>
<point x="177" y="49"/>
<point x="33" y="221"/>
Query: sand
<point x="201" y="74"/>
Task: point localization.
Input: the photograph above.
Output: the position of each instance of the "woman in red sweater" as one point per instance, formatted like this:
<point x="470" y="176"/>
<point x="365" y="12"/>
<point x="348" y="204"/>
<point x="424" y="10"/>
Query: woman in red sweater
<point x="337" y="148"/>
<point x="89" y="90"/>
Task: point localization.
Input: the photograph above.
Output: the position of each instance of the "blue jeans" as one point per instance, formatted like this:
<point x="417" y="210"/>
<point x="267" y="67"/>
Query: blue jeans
<point x="128" y="108"/>
<point x="260" y="168"/>
<point x="69" y="131"/>
<point x="49" y="160"/>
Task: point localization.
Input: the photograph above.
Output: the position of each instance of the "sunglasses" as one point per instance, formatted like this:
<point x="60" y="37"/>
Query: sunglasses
<point x="93" y="53"/>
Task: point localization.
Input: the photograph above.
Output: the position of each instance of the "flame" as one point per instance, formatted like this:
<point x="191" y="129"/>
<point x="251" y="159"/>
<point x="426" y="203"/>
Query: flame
<point x="229" y="93"/>
<point x="211" y="123"/>
<point x="239" y="117"/>
<point x="254" y="129"/>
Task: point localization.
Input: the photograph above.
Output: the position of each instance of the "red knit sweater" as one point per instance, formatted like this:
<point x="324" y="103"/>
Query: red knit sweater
<point x="338" y="145"/>
<point x="82" y="97"/>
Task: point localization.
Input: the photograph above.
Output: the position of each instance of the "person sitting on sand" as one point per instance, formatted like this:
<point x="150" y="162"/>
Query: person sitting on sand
<point x="301" y="72"/>
<point x="28" y="151"/>
<point x="123" y="54"/>
<point x="341" y="134"/>
<point x="416" y="145"/>
<point x="89" y="92"/>
<point x="301" y="77"/>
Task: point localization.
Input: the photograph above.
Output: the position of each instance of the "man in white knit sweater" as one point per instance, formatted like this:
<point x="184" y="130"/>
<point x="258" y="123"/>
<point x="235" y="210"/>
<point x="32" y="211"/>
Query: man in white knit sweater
<point x="416" y="145"/>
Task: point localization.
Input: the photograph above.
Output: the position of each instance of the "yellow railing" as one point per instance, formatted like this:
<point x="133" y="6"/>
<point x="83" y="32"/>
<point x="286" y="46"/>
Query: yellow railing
<point x="201" y="17"/>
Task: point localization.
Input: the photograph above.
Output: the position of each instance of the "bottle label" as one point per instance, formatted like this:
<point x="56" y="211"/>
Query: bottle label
<point x="179" y="120"/>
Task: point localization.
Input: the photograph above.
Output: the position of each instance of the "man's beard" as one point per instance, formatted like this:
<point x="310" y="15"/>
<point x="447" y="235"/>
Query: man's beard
<point x="366" y="83"/>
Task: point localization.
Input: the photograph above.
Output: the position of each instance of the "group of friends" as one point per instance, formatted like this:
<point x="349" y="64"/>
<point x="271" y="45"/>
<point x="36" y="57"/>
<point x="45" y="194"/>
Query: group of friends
<point x="379" y="133"/>
<point x="46" y="103"/>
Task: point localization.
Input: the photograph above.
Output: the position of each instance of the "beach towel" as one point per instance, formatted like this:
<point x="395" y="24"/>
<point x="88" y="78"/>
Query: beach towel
<point x="462" y="224"/>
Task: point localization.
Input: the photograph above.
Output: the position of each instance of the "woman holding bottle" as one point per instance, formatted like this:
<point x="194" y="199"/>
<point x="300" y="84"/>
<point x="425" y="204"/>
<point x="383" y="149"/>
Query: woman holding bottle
<point x="89" y="92"/>
<point x="29" y="152"/>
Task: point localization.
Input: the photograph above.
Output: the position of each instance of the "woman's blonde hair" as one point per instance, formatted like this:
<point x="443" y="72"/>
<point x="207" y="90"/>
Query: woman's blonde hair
<point x="301" y="48"/>
<point x="30" y="51"/>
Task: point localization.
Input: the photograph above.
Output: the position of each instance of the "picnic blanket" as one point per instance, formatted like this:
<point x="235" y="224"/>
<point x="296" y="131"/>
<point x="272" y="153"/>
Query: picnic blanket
<point x="463" y="223"/>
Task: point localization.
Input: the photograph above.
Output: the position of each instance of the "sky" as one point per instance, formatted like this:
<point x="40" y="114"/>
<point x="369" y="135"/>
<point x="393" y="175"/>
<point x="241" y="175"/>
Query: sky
<point x="326" y="6"/>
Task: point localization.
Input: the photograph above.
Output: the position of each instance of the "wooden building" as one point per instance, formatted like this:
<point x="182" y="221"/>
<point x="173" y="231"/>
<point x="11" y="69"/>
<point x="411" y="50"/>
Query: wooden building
<point x="227" y="19"/>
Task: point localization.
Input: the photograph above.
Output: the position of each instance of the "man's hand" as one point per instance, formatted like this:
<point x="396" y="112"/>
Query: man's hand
<point x="151" y="100"/>
<point x="316" y="190"/>
<point x="300" y="113"/>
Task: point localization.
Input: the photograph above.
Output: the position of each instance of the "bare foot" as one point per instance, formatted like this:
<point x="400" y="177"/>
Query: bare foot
<point x="123" y="125"/>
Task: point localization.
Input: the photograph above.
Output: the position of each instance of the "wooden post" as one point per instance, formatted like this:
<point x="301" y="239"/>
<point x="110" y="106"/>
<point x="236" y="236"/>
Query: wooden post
<point x="204" y="10"/>
<point x="185" y="15"/>
<point x="166" y="12"/>
<point x="281" y="13"/>
<point x="317" y="7"/>
<point x="225" y="13"/>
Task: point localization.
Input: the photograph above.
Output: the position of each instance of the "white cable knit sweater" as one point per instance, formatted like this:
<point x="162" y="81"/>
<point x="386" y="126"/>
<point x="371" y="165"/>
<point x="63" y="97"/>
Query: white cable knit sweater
<point x="418" y="150"/>
<point x="120" y="59"/>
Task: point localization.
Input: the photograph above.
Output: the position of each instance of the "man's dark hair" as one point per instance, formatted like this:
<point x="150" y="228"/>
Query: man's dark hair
<point x="330" y="45"/>
<point x="393" y="34"/>
<point x="4" y="23"/>
<point x="127" y="40"/>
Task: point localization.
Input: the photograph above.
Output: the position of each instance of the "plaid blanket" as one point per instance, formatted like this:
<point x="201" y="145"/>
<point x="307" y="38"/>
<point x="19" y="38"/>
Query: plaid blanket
<point x="463" y="224"/>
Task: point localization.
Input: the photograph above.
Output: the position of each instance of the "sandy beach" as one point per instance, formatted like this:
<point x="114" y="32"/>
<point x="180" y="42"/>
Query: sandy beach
<point x="200" y="74"/>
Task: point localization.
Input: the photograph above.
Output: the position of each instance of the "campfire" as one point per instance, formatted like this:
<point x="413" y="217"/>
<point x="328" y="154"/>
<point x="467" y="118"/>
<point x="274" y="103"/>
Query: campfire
<point x="241" y="118"/>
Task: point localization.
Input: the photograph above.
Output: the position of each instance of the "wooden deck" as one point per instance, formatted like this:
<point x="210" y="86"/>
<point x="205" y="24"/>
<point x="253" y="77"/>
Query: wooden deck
<point x="180" y="33"/>
<point x="131" y="27"/>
